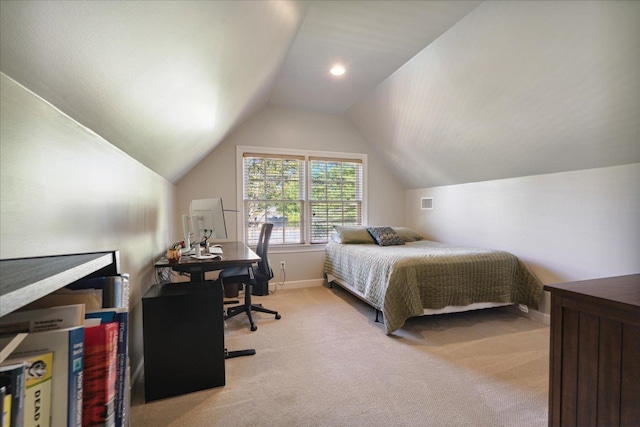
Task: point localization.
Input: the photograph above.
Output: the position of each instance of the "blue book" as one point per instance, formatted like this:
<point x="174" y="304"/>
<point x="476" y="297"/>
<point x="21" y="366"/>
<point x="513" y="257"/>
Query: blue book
<point x="120" y="315"/>
<point x="68" y="368"/>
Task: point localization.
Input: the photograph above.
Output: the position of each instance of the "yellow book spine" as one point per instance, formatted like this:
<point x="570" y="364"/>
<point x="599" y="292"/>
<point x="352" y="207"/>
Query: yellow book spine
<point x="37" y="404"/>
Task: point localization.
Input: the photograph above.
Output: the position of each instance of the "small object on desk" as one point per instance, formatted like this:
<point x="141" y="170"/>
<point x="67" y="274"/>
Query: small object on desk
<point x="174" y="252"/>
<point x="173" y="255"/>
<point x="215" y="250"/>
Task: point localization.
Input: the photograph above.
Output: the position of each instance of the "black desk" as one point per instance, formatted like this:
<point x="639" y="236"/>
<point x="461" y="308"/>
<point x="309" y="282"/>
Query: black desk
<point x="235" y="254"/>
<point x="183" y="326"/>
<point x="183" y="336"/>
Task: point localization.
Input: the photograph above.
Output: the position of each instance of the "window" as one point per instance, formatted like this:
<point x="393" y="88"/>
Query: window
<point x="303" y="194"/>
<point x="336" y="195"/>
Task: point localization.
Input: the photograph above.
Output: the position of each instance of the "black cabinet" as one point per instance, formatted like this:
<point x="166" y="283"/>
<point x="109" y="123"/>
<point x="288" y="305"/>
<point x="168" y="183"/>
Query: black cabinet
<point x="183" y="329"/>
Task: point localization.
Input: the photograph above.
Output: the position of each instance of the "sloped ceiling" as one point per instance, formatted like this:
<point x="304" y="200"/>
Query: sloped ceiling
<point x="514" y="89"/>
<point x="446" y="91"/>
<point x="371" y="39"/>
<point x="164" y="81"/>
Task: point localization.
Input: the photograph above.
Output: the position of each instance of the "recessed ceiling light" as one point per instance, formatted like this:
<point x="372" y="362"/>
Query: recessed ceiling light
<point x="337" y="70"/>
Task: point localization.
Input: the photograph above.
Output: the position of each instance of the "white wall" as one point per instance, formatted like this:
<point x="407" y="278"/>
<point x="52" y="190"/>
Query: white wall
<point x="64" y="189"/>
<point x="289" y="128"/>
<point x="565" y="226"/>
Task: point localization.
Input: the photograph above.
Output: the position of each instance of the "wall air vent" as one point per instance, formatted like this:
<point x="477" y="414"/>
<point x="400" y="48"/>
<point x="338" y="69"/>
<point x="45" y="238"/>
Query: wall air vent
<point x="426" y="202"/>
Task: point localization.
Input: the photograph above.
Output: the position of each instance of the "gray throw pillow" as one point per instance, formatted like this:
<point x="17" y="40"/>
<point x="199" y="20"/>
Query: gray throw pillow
<point x="385" y="236"/>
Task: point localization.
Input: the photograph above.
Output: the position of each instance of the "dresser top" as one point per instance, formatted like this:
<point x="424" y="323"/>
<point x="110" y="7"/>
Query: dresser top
<point x="620" y="289"/>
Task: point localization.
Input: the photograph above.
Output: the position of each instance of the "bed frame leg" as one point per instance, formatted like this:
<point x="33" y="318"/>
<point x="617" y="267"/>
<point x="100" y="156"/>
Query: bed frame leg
<point x="377" y="311"/>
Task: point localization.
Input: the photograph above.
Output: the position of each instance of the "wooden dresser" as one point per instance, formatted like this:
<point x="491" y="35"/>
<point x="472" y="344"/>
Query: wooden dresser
<point x="595" y="352"/>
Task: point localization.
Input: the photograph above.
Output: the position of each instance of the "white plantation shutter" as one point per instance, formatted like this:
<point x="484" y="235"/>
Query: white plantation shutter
<point x="303" y="196"/>
<point x="274" y="191"/>
<point x="335" y="195"/>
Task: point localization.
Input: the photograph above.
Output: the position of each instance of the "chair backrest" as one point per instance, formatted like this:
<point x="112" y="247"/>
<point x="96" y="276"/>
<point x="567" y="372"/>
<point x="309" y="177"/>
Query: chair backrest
<point x="264" y="269"/>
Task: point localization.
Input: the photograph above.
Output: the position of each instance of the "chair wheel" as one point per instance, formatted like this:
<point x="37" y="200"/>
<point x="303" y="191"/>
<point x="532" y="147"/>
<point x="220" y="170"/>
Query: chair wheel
<point x="278" y="316"/>
<point x="254" y="327"/>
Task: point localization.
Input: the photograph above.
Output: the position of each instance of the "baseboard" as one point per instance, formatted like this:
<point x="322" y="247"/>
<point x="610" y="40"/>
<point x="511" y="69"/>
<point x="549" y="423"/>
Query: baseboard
<point x="537" y="316"/>
<point x="297" y="284"/>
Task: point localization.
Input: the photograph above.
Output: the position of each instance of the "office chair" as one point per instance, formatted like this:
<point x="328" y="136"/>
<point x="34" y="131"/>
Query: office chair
<point x="249" y="276"/>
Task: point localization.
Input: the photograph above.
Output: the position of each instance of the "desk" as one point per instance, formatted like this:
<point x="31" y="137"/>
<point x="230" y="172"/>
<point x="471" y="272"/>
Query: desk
<point x="183" y="326"/>
<point x="183" y="336"/>
<point x="234" y="254"/>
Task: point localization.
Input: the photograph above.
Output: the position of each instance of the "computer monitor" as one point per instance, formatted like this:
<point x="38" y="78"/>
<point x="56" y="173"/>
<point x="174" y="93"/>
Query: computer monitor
<point x="207" y="219"/>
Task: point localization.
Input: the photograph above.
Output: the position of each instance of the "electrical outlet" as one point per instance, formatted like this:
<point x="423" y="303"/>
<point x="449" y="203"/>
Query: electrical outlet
<point x="281" y="265"/>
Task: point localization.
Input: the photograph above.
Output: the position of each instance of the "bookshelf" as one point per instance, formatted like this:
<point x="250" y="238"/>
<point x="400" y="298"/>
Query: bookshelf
<point x="24" y="280"/>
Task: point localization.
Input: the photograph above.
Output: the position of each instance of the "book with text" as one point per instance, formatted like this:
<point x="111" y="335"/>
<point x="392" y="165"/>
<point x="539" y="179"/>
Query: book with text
<point x="100" y="364"/>
<point x="67" y="346"/>
<point x="38" y="383"/>
<point x="44" y="319"/>
<point x="120" y="315"/>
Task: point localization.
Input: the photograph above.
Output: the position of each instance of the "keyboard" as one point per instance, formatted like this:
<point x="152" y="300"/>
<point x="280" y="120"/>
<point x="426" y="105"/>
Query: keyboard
<point x="215" y="250"/>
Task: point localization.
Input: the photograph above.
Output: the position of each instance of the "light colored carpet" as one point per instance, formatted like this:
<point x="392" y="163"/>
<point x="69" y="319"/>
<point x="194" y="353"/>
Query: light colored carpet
<point x="327" y="363"/>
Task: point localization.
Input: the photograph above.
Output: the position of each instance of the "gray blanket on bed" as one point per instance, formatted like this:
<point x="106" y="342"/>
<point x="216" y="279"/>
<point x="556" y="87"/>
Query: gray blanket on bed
<point x="401" y="281"/>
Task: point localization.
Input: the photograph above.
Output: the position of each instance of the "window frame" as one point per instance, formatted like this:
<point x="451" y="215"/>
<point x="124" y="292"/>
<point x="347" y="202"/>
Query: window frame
<point x="241" y="150"/>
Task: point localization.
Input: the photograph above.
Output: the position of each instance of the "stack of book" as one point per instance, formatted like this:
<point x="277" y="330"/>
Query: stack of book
<point x="63" y="360"/>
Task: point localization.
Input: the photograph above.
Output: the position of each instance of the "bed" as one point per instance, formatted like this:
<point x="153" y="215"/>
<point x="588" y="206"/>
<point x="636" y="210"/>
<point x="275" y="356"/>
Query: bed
<point x="414" y="276"/>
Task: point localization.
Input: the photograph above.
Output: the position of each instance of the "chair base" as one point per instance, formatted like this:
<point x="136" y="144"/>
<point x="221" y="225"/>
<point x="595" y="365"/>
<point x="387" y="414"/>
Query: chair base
<point x="247" y="307"/>
<point x="238" y="353"/>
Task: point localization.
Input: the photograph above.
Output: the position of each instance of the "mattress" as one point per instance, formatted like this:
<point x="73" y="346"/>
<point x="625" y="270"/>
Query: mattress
<point x="403" y="280"/>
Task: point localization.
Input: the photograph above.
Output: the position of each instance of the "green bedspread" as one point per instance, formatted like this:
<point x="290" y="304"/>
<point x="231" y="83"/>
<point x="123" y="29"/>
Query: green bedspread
<point x="401" y="281"/>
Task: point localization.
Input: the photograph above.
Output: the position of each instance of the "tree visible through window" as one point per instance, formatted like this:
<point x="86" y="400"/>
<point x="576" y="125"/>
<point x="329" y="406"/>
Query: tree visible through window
<point x="336" y="196"/>
<point x="303" y="208"/>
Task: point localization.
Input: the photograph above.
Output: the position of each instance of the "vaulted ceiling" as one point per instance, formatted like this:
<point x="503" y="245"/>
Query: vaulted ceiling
<point x="445" y="91"/>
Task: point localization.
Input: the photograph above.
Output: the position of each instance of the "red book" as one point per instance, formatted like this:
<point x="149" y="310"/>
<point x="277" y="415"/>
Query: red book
<point x="100" y="368"/>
